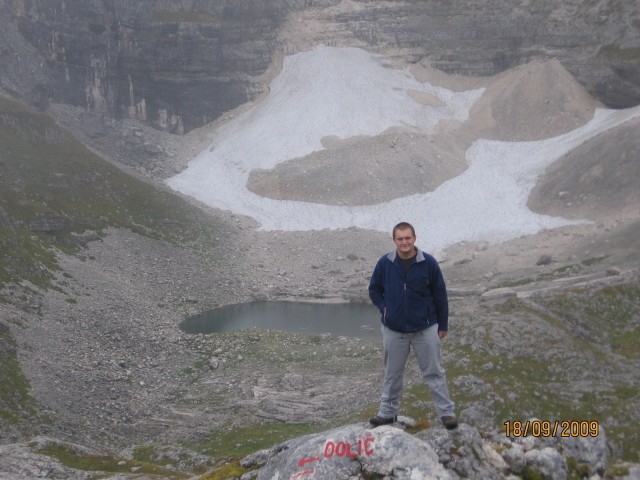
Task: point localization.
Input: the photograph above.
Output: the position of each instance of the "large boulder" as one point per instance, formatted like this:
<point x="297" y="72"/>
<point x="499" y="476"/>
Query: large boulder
<point x="355" y="450"/>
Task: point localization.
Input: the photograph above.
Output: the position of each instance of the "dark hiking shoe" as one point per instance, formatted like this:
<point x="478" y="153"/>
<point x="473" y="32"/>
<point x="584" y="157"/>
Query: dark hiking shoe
<point x="450" y="423"/>
<point x="378" y="420"/>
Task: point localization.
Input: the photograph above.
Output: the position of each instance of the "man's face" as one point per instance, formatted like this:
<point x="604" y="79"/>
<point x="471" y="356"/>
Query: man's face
<point x="404" y="241"/>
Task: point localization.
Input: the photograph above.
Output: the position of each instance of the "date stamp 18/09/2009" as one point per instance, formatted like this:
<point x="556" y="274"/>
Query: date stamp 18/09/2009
<point x="552" y="428"/>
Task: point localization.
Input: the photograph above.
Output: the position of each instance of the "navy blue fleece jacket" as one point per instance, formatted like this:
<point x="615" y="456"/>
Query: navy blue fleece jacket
<point x="414" y="300"/>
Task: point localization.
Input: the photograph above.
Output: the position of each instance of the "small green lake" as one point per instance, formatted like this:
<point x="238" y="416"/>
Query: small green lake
<point x="339" y="319"/>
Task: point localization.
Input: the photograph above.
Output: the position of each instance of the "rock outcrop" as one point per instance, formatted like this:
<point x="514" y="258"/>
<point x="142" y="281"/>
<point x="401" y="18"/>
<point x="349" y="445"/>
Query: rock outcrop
<point x="354" y="451"/>
<point x="179" y="64"/>
<point x="357" y="451"/>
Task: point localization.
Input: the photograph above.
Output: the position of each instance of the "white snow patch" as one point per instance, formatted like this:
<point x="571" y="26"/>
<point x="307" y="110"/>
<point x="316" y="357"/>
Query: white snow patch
<point x="347" y="92"/>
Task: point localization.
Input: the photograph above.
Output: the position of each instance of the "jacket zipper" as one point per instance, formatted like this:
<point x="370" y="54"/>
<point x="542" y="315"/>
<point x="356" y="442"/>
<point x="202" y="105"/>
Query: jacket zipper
<point x="406" y="279"/>
<point x="405" y="297"/>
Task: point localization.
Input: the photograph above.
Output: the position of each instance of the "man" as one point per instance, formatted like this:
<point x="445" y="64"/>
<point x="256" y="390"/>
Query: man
<point x="408" y="288"/>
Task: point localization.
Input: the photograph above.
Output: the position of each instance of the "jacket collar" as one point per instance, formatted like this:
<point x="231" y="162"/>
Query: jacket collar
<point x="419" y="256"/>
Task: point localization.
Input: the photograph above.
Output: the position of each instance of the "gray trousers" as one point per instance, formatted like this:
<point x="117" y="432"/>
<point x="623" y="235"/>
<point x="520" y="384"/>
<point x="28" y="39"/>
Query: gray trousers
<point x="426" y="346"/>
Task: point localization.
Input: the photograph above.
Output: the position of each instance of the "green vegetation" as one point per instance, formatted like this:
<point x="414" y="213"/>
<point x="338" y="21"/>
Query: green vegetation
<point x="607" y="319"/>
<point x="591" y="325"/>
<point x="183" y="16"/>
<point x="522" y="387"/>
<point x="609" y="315"/>
<point x="53" y="189"/>
<point x="239" y="442"/>
<point x="617" y="471"/>
<point x="519" y="388"/>
<point x="531" y="474"/>
<point x="516" y="283"/>
<point x="71" y="458"/>
<point x="228" y="470"/>
<point x="16" y="404"/>
<point x="577" y="470"/>
<point x="150" y="455"/>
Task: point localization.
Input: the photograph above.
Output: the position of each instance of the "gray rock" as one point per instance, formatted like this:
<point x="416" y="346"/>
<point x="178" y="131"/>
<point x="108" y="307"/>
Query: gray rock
<point x="213" y="363"/>
<point x="588" y="451"/>
<point x="18" y="462"/>
<point x="548" y="463"/>
<point x="544" y="260"/>
<point x="260" y="458"/>
<point x="632" y="472"/>
<point x="207" y="38"/>
<point x="514" y="456"/>
<point x="463" y="451"/>
<point x="471" y="384"/>
<point x="354" y="450"/>
<point x="249" y="475"/>
<point x="478" y="415"/>
<point x="494" y="459"/>
<point x="528" y="443"/>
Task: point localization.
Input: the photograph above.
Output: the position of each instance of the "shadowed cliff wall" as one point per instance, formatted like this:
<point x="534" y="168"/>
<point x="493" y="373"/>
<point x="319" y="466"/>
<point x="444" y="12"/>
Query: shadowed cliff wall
<point x="178" y="64"/>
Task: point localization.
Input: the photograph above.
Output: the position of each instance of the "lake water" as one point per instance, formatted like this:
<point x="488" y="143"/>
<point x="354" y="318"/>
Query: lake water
<point x="344" y="319"/>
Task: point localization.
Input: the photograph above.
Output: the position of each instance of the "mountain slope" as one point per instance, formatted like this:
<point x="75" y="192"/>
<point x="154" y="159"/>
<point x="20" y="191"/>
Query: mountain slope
<point x="599" y="180"/>
<point x="57" y="194"/>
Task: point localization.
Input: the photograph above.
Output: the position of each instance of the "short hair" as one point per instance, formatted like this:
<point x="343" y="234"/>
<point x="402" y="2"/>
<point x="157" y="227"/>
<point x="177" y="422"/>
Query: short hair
<point x="403" y="226"/>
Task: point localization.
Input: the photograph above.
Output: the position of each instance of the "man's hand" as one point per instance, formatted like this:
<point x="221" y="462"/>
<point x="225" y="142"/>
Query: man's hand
<point x="442" y="334"/>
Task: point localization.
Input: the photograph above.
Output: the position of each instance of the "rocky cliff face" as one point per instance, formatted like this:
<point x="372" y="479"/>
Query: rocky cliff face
<point x="180" y="64"/>
<point x="176" y="65"/>
<point x="357" y="451"/>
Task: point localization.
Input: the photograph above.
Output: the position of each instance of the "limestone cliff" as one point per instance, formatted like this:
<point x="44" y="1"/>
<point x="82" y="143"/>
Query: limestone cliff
<point x="179" y="64"/>
<point x="174" y="64"/>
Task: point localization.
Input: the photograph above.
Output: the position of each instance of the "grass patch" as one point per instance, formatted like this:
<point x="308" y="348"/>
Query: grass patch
<point x="515" y="306"/>
<point x="53" y="190"/>
<point x="530" y="474"/>
<point x="56" y="195"/>
<point x="515" y="283"/>
<point x="16" y="404"/>
<point x="69" y="457"/>
<point x="591" y="325"/>
<point x="557" y="273"/>
<point x="181" y="461"/>
<point x="520" y="384"/>
<point x="228" y="470"/>
<point x="239" y="442"/>
<point x="609" y="315"/>
<point x="617" y="471"/>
